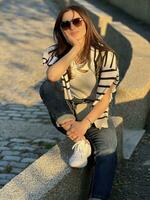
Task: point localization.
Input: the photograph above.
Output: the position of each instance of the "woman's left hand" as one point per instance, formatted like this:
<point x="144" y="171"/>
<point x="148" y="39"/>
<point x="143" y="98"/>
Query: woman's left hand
<point x="77" y="131"/>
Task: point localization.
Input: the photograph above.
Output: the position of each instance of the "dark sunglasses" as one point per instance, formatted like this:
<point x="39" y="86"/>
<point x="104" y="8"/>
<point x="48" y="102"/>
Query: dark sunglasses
<point x="65" y="25"/>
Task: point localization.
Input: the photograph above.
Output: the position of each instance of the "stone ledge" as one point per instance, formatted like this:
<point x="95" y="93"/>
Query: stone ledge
<point x="45" y="178"/>
<point x="133" y="97"/>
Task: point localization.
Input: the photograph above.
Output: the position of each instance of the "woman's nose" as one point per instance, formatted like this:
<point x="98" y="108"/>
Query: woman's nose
<point x="72" y="26"/>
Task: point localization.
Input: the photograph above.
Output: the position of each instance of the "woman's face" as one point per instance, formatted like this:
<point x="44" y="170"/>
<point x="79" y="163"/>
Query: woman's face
<point x="75" y="27"/>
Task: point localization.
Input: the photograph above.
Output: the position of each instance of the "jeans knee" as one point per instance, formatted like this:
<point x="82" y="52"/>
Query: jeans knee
<point x="105" y="152"/>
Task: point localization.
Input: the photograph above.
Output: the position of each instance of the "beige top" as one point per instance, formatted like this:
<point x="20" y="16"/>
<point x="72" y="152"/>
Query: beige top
<point x="83" y="85"/>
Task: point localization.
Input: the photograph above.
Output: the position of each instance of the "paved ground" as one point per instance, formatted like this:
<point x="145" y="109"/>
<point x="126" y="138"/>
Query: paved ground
<point x="24" y="34"/>
<point x="133" y="179"/>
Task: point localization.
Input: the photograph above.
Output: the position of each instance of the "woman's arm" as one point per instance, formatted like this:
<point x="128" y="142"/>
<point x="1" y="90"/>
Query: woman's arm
<point x="99" y="108"/>
<point x="79" y="128"/>
<point x="55" y="72"/>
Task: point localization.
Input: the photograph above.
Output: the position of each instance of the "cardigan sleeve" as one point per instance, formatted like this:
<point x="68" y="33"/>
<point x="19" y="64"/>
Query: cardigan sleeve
<point x="109" y="75"/>
<point x="47" y="57"/>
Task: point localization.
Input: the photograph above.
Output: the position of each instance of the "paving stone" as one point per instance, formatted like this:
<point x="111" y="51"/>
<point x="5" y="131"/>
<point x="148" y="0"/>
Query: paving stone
<point x="12" y="158"/>
<point x="34" y="120"/>
<point x="9" y="111"/>
<point x="25" y="112"/>
<point x="39" y="113"/>
<point x="1" y="169"/>
<point x="22" y="148"/>
<point x="3" y="163"/>
<point x="14" y="114"/>
<point x="29" y="155"/>
<point x="17" y="119"/>
<point x="3" y="143"/>
<point x="7" y="176"/>
<point x="18" y="164"/>
<point x="10" y="153"/>
<point x="44" y="140"/>
<point x="28" y="160"/>
<point x="16" y="108"/>
<point x="4" y="148"/>
<point x="4" y="117"/>
<point x="2" y="114"/>
<point x="3" y="182"/>
<point x="19" y="140"/>
<point x="16" y="170"/>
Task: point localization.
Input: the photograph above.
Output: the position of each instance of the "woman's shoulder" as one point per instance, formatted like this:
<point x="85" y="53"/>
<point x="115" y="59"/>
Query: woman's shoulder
<point x="109" y="58"/>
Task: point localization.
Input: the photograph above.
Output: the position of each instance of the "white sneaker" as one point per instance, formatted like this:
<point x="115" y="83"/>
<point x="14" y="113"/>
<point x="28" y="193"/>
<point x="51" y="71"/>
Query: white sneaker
<point x="82" y="150"/>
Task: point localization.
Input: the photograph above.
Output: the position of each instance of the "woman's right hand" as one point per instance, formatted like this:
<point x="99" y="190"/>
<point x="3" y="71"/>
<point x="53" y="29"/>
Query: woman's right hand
<point x="77" y="44"/>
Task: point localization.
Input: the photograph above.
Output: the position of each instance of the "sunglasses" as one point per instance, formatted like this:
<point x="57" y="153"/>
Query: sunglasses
<point x="65" y="25"/>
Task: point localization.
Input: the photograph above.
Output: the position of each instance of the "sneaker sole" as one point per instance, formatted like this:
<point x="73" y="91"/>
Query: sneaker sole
<point x="81" y="166"/>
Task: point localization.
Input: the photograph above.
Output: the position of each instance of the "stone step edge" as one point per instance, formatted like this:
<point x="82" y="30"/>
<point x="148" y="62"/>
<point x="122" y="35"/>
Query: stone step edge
<point x="48" y="171"/>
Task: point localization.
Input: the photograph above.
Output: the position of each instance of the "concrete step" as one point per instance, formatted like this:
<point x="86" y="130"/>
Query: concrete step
<point x="131" y="138"/>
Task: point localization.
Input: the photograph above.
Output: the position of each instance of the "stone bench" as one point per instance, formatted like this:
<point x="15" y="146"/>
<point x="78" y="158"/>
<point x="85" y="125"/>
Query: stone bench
<point x="50" y="177"/>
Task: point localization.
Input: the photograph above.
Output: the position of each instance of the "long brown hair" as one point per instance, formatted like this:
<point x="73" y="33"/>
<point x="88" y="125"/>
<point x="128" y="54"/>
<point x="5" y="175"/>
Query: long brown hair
<point x="92" y="37"/>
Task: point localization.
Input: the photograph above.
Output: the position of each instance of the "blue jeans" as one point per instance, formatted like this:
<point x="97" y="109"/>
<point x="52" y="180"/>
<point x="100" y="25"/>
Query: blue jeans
<point x="103" y="141"/>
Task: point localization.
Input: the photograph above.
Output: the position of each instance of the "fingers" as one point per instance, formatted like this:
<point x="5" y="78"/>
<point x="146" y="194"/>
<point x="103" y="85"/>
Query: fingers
<point x="73" y="136"/>
<point x="67" y="122"/>
<point x="67" y="125"/>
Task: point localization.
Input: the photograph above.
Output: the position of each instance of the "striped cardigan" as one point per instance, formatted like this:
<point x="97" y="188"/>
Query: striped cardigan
<point x="107" y="75"/>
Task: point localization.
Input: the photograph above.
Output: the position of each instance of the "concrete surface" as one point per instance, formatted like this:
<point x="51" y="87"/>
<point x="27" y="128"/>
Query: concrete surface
<point x="130" y="140"/>
<point x="24" y="34"/>
<point x="139" y="9"/>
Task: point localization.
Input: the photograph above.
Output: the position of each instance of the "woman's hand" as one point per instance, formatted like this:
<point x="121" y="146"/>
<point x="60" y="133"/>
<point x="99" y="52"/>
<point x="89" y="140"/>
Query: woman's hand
<point x="67" y="124"/>
<point x="77" y="131"/>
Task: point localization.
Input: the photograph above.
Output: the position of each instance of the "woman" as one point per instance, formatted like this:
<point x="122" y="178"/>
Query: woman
<point x="82" y="74"/>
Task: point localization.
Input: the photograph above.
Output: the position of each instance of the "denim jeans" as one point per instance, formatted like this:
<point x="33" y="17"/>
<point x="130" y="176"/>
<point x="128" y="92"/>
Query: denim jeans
<point x="103" y="141"/>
